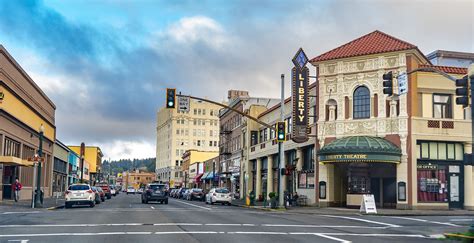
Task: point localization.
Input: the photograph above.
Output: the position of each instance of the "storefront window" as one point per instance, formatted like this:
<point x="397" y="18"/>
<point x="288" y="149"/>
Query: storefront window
<point x="440" y="151"/>
<point x="306" y="180"/>
<point x="358" y="179"/>
<point x="432" y="184"/>
<point x="451" y="151"/>
<point x="433" y="150"/>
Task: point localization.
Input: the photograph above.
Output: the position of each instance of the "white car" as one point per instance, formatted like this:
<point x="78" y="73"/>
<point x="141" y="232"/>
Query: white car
<point x="113" y="192"/>
<point x="80" y="194"/>
<point x="130" y="190"/>
<point x="219" y="195"/>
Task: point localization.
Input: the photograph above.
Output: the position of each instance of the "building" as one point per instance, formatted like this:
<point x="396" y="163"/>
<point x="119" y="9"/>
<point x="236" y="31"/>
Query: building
<point x="210" y="177"/>
<point x="193" y="167"/>
<point x="86" y="171"/>
<point x="138" y="179"/>
<point x="93" y="155"/>
<point x="261" y="170"/>
<point x="60" y="168"/>
<point x="232" y="130"/>
<point x="177" y="132"/>
<point x="451" y="58"/>
<point x="24" y="111"/>
<point x="74" y="169"/>
<point x="406" y="150"/>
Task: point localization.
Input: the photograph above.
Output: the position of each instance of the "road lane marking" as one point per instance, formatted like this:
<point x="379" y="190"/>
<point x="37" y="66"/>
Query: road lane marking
<point x="332" y="238"/>
<point x="377" y="235"/>
<point x="461" y="220"/>
<point x="21" y="212"/>
<point x="177" y="224"/>
<point x="324" y="226"/>
<point x="427" y="221"/>
<point x="21" y="241"/>
<point x="190" y="204"/>
<point x="185" y="232"/>
<point x="223" y="224"/>
<point x="152" y="207"/>
<point x="362" y="220"/>
<point x="258" y="233"/>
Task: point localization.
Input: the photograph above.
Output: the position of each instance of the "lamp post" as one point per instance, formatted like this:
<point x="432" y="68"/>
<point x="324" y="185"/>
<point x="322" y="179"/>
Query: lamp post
<point x="83" y="148"/>
<point x="38" y="203"/>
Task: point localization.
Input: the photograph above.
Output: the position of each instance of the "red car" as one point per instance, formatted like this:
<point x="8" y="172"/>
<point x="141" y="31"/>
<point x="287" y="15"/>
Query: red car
<point x="101" y="194"/>
<point x="105" y="187"/>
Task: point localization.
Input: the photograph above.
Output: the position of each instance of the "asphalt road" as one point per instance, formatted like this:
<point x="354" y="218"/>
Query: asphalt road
<point x="125" y="219"/>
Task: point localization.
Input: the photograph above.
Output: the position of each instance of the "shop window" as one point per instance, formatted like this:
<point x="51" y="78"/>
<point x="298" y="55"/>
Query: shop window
<point x="442" y="107"/>
<point x="361" y="106"/>
<point x="432" y="184"/>
<point x="440" y="151"/>
<point x="358" y="179"/>
<point x="306" y="180"/>
<point x="433" y="150"/>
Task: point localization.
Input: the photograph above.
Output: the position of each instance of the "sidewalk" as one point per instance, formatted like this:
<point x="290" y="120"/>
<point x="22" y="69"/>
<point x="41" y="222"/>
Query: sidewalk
<point x="48" y="203"/>
<point x="348" y="211"/>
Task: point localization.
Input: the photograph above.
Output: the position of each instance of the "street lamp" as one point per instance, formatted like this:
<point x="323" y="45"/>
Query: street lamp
<point x="38" y="203"/>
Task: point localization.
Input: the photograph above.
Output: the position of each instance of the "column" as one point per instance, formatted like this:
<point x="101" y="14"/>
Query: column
<point x="270" y="174"/>
<point x="299" y="156"/>
<point x="258" y="186"/>
<point x="468" y="180"/>
<point x="250" y="176"/>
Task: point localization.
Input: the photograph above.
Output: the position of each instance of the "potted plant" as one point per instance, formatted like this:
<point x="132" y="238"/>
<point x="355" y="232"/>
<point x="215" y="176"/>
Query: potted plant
<point x="273" y="200"/>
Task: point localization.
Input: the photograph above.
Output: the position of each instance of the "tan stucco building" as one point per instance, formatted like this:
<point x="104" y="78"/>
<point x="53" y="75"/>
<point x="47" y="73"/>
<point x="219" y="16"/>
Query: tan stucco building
<point x="178" y="132"/>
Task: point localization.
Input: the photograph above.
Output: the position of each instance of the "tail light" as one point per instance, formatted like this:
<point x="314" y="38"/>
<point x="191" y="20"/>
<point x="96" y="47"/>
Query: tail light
<point x="149" y="190"/>
<point x="67" y="192"/>
<point x="90" y="191"/>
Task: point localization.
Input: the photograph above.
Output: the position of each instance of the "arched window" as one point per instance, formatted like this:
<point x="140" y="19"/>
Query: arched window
<point x="361" y="105"/>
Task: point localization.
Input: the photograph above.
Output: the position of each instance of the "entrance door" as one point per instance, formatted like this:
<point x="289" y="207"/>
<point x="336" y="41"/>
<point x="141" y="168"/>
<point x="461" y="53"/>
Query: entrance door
<point x="9" y="175"/>
<point x="455" y="187"/>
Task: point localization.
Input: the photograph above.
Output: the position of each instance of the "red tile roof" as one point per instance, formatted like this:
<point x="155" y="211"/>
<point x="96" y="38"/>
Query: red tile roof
<point x="447" y="69"/>
<point x="372" y="43"/>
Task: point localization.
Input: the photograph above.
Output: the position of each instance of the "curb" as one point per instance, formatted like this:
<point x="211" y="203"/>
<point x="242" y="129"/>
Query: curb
<point x="56" y="207"/>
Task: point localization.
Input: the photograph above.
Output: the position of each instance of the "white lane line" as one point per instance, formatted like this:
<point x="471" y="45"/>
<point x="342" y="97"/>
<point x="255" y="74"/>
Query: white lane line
<point x="190" y="204"/>
<point x="21" y="212"/>
<point x="376" y="235"/>
<point x="362" y="220"/>
<point x="152" y="207"/>
<point x="185" y="232"/>
<point x="427" y="221"/>
<point x="223" y="224"/>
<point x="324" y="226"/>
<point x="177" y="224"/>
<point x="69" y="225"/>
<point x="21" y="241"/>
<point x="332" y="238"/>
<point x="258" y="233"/>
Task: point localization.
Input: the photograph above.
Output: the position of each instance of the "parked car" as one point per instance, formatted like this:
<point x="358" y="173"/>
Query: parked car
<point x="79" y="194"/>
<point x="155" y="192"/>
<point x="105" y="187"/>
<point x="195" y="194"/>
<point x="117" y="190"/>
<point x="130" y="190"/>
<point x="181" y="192"/>
<point x="140" y="190"/>
<point x="185" y="194"/>
<point x="101" y="194"/>
<point x="171" y="192"/>
<point x="97" y="195"/>
<point x="219" y="195"/>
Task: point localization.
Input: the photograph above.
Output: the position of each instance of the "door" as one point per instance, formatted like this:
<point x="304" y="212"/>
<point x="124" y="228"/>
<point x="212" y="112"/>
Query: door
<point x="9" y="175"/>
<point x="455" y="186"/>
<point x="389" y="193"/>
<point x="375" y="190"/>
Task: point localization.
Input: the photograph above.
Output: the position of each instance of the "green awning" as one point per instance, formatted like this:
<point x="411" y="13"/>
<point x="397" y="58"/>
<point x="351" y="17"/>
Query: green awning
<point x="360" y="149"/>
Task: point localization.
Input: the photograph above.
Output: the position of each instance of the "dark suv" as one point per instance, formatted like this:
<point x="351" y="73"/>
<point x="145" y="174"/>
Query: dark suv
<point x="155" y="192"/>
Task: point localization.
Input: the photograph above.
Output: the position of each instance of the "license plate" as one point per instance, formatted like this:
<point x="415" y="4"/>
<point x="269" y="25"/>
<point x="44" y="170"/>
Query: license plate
<point x="78" y="194"/>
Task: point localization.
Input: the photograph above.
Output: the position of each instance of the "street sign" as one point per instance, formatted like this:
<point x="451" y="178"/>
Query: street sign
<point x="368" y="204"/>
<point x="36" y="159"/>
<point x="183" y="104"/>
<point x="402" y="83"/>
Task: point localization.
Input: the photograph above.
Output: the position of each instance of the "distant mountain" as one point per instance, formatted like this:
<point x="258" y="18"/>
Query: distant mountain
<point x="114" y="167"/>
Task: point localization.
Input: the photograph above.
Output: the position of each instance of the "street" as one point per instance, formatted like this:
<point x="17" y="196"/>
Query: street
<point x="125" y="219"/>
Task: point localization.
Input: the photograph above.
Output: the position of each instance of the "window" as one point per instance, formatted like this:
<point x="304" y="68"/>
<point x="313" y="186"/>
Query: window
<point x="195" y="111"/>
<point x="203" y="112"/>
<point x="432" y="183"/>
<point x="440" y="151"/>
<point x="306" y="180"/>
<point x="442" y="107"/>
<point x="12" y="148"/>
<point x="210" y="133"/>
<point x="199" y="111"/>
<point x="198" y="142"/>
<point x="215" y="143"/>
<point x="177" y="132"/>
<point x="212" y="112"/>
<point x="361" y="105"/>
<point x="210" y="143"/>
<point x="177" y="162"/>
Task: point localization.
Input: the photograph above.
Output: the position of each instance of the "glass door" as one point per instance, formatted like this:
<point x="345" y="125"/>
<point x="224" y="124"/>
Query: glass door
<point x="455" y="187"/>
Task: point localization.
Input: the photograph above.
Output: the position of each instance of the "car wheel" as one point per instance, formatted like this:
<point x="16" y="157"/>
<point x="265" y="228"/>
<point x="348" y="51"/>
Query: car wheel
<point x="229" y="204"/>
<point x="109" y="197"/>
<point x="92" y="204"/>
<point x="143" y="201"/>
<point x="102" y="199"/>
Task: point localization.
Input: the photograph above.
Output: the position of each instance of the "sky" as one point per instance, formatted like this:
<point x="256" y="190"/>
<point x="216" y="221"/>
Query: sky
<point x="106" y="64"/>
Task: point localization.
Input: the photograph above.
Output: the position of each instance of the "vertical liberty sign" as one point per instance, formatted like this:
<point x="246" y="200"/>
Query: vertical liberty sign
<point x="300" y="99"/>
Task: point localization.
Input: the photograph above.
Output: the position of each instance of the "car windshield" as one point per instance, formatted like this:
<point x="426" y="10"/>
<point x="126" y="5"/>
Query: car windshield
<point x="79" y="187"/>
<point x="222" y="190"/>
<point x="157" y="187"/>
<point x="197" y="190"/>
<point x="130" y="187"/>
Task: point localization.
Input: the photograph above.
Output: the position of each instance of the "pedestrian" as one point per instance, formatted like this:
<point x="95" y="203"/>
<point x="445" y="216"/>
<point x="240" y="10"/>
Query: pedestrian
<point x="17" y="188"/>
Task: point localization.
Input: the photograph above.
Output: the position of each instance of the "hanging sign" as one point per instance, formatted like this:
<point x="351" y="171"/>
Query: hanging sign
<point x="300" y="99"/>
<point x="402" y="83"/>
<point x="368" y="204"/>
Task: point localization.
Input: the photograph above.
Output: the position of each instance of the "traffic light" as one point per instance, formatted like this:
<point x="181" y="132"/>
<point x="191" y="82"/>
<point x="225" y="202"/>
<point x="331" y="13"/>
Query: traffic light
<point x="388" y="83"/>
<point x="170" y="98"/>
<point x="281" y="133"/>
<point x="462" y="91"/>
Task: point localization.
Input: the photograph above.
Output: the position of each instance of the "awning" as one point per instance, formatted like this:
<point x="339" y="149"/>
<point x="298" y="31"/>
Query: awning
<point x="209" y="176"/>
<point x="197" y="179"/>
<point x="203" y="177"/>
<point x="15" y="161"/>
<point x="360" y="149"/>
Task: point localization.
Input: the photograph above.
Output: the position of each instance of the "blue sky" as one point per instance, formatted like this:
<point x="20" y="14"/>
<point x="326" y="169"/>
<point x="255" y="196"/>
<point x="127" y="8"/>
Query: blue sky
<point x="105" y="64"/>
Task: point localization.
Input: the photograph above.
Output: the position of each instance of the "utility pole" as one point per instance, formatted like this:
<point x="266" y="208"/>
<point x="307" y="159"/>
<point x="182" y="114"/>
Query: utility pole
<point x="83" y="148"/>
<point x="38" y="203"/>
<point x="281" y="148"/>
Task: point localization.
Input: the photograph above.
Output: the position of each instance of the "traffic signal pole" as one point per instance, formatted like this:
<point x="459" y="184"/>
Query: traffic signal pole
<point x="470" y="75"/>
<point x="281" y="148"/>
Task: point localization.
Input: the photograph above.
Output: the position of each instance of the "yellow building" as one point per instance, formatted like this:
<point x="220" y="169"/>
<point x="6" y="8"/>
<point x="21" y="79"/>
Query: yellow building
<point x="93" y="155"/>
<point x="177" y="132"/>
<point x="193" y="166"/>
<point x="24" y="110"/>
<point x="137" y="178"/>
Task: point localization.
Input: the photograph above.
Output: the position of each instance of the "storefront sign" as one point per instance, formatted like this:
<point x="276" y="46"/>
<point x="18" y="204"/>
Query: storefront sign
<point x="359" y="158"/>
<point x="300" y="82"/>
<point x="427" y="166"/>
<point x="368" y="204"/>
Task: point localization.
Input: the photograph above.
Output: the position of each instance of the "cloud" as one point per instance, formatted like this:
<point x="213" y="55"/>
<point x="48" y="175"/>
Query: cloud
<point x="108" y="80"/>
